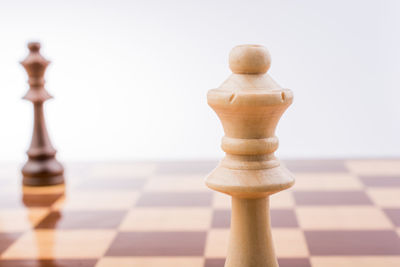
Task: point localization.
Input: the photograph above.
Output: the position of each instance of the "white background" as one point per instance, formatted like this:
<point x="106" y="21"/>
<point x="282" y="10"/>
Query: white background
<point x="130" y="77"/>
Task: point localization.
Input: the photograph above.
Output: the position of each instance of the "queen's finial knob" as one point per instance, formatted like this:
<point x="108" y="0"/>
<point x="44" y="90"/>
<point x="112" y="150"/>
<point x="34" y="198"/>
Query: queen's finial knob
<point x="34" y="46"/>
<point x="249" y="59"/>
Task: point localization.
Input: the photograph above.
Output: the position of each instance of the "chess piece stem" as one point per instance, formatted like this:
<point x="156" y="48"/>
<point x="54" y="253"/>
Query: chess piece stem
<point x="42" y="168"/>
<point x="251" y="239"/>
<point x="249" y="104"/>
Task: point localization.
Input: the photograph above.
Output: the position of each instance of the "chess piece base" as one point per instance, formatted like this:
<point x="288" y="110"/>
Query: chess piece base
<point x="42" y="172"/>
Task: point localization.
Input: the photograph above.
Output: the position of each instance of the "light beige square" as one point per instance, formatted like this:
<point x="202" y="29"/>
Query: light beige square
<point x="222" y="201"/>
<point x="289" y="243"/>
<point x="217" y="243"/>
<point x="367" y="261"/>
<point x="151" y="262"/>
<point x="68" y="244"/>
<point x="19" y="220"/>
<point x="283" y="199"/>
<point x="101" y="200"/>
<point x="327" y="181"/>
<point x="374" y="167"/>
<point x="385" y="197"/>
<point x="122" y="170"/>
<point x="342" y="218"/>
<point x="171" y="219"/>
<point x="177" y="184"/>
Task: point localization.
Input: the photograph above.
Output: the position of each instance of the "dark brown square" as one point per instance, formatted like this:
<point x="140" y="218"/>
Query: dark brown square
<point x="331" y="198"/>
<point x="394" y="216"/>
<point x="48" y="263"/>
<point x="316" y="166"/>
<point x="381" y="181"/>
<point x="186" y="167"/>
<point x="295" y="262"/>
<point x="6" y="239"/>
<point x="221" y="219"/>
<point x="279" y="218"/>
<point x="214" y="263"/>
<point x="382" y="242"/>
<point x="283" y="218"/>
<point x="158" y="244"/>
<point x="175" y="199"/>
<point x="112" y="184"/>
<point x="82" y="220"/>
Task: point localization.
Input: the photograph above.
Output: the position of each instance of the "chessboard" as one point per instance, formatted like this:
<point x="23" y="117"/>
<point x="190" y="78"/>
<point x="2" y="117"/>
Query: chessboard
<point x="340" y="213"/>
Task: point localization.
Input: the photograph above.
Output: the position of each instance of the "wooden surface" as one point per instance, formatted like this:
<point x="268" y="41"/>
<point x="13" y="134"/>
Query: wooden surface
<point x="340" y="213"/>
<point x="249" y="105"/>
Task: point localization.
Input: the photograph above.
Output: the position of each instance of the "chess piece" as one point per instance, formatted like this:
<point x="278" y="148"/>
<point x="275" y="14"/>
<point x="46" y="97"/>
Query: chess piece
<point x="42" y="168"/>
<point x="249" y="104"/>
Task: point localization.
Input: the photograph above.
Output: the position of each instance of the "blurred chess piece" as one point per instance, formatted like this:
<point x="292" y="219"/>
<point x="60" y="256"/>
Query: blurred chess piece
<point x="249" y="104"/>
<point x="42" y="167"/>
